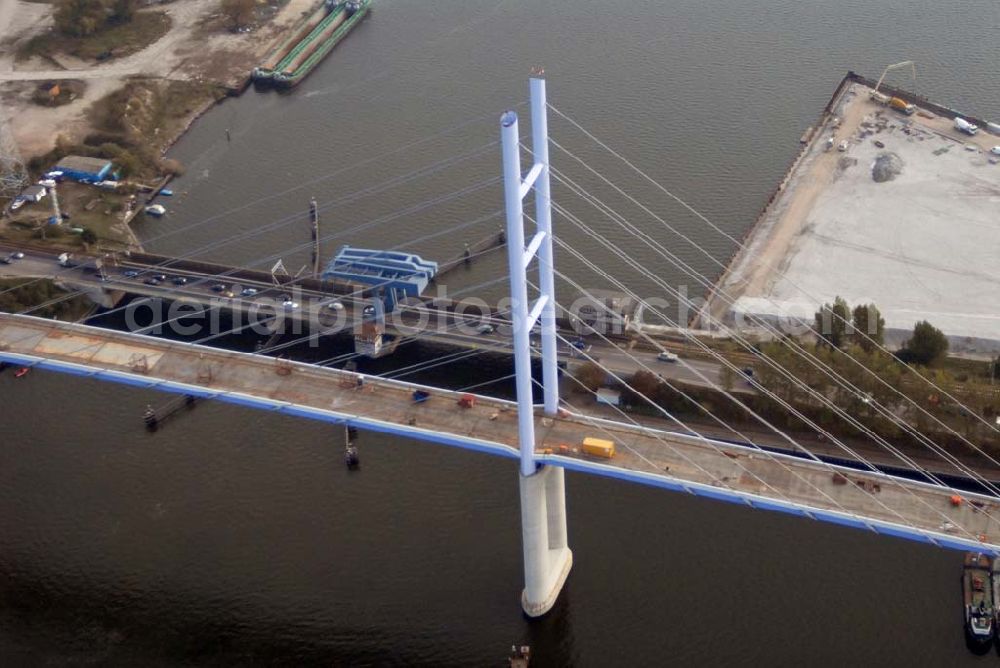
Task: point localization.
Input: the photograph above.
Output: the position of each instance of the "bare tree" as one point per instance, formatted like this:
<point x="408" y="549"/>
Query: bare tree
<point x="240" y="13"/>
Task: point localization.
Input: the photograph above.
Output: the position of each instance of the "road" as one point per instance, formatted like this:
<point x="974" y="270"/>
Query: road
<point x="715" y="470"/>
<point x="318" y="308"/>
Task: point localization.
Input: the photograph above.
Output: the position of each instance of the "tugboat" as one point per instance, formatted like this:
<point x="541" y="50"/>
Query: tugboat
<point x="977" y="593"/>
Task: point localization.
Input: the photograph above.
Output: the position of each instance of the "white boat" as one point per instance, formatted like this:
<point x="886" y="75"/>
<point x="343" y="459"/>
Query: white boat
<point x="155" y="210"/>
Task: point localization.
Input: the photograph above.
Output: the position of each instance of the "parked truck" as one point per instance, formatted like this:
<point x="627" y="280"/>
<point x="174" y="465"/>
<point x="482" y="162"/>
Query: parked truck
<point x="902" y="106"/>
<point x="879" y="98"/>
<point x="598" y="447"/>
<point x="965" y="126"/>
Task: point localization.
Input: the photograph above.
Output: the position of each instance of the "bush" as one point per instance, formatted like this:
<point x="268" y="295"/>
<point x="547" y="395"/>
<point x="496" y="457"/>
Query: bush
<point x="927" y="345"/>
<point x="79" y="18"/>
<point x="171" y="166"/>
<point x="590" y="375"/>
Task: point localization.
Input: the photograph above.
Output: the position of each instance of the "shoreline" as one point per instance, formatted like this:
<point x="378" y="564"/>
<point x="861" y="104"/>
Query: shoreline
<point x="198" y="59"/>
<point x="831" y="228"/>
<point x="712" y="311"/>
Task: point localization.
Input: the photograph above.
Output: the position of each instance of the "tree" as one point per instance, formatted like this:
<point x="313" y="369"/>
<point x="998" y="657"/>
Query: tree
<point x="833" y="323"/>
<point x="927" y="344"/>
<point x="870" y="325"/>
<point x="121" y="11"/>
<point x="239" y="12"/>
<point x="88" y="236"/>
<point x="727" y="378"/>
<point x="79" y="18"/>
<point x="590" y="375"/>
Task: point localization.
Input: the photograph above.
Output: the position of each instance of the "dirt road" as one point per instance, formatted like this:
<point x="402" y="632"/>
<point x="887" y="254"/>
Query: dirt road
<point x="185" y="52"/>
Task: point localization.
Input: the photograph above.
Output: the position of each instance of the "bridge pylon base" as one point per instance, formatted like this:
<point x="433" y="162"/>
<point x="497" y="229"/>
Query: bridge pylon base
<point x="547" y="557"/>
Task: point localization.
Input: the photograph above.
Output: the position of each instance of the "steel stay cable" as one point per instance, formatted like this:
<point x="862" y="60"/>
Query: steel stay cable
<point x="873" y="469"/>
<point x="741" y="245"/>
<point x="844" y="383"/>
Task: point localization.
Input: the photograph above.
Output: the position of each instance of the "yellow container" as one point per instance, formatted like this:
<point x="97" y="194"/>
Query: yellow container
<point x="598" y="447"/>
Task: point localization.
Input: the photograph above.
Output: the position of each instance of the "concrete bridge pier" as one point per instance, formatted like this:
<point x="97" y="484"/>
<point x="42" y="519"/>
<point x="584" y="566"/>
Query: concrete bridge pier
<point x="101" y="296"/>
<point x="547" y="557"/>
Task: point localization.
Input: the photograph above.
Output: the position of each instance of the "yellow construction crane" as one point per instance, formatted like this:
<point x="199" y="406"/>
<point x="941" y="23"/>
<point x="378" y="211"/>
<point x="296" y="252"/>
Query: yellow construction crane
<point x="897" y="66"/>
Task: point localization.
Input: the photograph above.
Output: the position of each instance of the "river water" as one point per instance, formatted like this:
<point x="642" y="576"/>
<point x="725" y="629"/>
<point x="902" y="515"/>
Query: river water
<point x="233" y="537"/>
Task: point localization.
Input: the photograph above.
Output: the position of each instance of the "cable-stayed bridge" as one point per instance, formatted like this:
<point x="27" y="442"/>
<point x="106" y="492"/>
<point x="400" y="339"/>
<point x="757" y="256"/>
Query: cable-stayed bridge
<point x="545" y="439"/>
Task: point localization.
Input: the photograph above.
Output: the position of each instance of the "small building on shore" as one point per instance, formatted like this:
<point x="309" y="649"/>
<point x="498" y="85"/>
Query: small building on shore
<point x="80" y="168"/>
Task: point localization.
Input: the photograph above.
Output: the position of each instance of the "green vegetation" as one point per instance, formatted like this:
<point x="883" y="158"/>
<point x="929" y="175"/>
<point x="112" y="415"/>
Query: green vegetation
<point x="847" y="371"/>
<point x="869" y="326"/>
<point x="27" y="293"/>
<point x="927" y="345"/>
<point x="833" y="323"/>
<point x="95" y="30"/>
<point x="133" y="124"/>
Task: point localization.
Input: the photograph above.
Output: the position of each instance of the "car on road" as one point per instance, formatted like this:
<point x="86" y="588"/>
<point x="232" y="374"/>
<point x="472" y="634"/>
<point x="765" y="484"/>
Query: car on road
<point x="995" y="150"/>
<point x="248" y="292"/>
<point x="228" y="294"/>
<point x="179" y="280"/>
<point x="160" y="277"/>
<point x="580" y="344"/>
<point x="152" y="280"/>
<point x="16" y="255"/>
<point x="130" y="273"/>
<point x="334" y="306"/>
<point x="368" y="310"/>
<point x="485" y="329"/>
<point x="667" y="356"/>
<point x="288" y="303"/>
<point x="748" y="374"/>
<point x="219" y="287"/>
<point x="4" y="260"/>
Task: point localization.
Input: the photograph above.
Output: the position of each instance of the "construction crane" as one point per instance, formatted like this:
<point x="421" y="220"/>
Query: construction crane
<point x="897" y="66"/>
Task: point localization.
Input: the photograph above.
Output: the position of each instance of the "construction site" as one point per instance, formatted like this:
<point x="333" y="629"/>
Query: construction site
<point x="891" y="200"/>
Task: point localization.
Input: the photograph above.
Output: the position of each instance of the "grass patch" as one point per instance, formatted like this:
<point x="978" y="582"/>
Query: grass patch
<point x="26" y="293"/>
<point x="112" y="42"/>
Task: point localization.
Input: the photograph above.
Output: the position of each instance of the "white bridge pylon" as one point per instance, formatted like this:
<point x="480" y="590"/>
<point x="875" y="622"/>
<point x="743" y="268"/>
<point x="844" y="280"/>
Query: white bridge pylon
<point x="547" y="557"/>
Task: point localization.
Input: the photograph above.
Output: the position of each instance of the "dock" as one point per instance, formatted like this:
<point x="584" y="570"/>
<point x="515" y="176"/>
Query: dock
<point x="917" y="241"/>
<point x="489" y="243"/>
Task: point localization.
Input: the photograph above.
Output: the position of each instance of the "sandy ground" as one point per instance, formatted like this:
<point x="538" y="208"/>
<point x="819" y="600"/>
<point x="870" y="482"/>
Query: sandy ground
<point x="186" y="52"/>
<point x="921" y="246"/>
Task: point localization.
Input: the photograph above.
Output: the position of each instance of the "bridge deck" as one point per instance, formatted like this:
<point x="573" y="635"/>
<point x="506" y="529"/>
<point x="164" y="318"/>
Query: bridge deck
<point x="671" y="460"/>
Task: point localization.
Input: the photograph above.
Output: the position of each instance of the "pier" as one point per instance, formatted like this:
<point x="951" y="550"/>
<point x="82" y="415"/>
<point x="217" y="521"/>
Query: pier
<point x="473" y="251"/>
<point x="832" y="228"/>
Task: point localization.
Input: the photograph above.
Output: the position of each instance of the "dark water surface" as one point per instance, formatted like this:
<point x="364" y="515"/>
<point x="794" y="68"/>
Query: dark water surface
<point x="234" y="537"/>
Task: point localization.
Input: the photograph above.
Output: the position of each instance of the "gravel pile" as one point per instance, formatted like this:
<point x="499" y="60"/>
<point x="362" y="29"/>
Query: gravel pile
<point x="886" y="167"/>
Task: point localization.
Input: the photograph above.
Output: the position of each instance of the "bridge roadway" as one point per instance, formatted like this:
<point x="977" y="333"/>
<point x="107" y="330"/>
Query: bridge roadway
<point x="313" y="306"/>
<point x="671" y="460"/>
